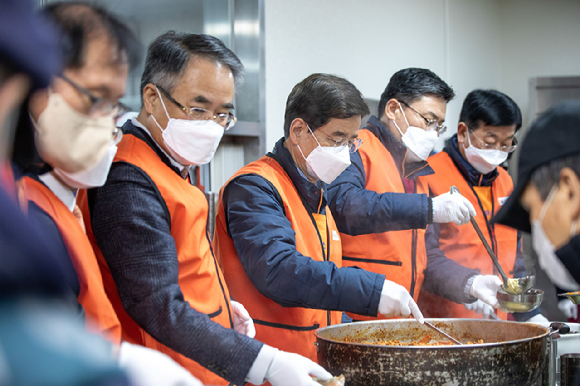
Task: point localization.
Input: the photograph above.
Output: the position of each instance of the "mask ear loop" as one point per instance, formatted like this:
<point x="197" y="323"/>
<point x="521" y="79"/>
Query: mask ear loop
<point x="164" y="109"/>
<point x="404" y="116"/>
<point x="314" y="139"/>
<point x="547" y="204"/>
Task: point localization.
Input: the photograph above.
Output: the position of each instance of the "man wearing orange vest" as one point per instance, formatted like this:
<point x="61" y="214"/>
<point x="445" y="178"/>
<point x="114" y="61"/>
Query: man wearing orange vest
<point x="149" y="223"/>
<point x="275" y="237"/>
<point x="75" y="136"/>
<point x="382" y="208"/>
<point x="471" y="162"/>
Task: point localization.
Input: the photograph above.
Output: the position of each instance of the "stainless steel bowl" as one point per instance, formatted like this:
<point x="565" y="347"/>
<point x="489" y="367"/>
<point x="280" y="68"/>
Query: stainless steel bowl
<point x="520" y="303"/>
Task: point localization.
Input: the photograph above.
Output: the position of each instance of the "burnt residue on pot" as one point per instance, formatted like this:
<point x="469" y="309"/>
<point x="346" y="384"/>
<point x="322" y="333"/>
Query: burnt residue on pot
<point x="513" y="353"/>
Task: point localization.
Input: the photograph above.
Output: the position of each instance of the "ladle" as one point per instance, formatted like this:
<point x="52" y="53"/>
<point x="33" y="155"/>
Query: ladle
<point x="514" y="286"/>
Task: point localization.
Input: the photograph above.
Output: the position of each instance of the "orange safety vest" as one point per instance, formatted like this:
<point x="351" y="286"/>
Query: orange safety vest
<point x="100" y="316"/>
<point x="461" y="243"/>
<point x="200" y="278"/>
<point x="399" y="255"/>
<point x="287" y="328"/>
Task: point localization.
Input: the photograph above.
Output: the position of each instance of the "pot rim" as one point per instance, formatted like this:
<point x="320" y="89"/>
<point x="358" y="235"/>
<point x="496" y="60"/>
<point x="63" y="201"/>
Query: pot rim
<point x="445" y="347"/>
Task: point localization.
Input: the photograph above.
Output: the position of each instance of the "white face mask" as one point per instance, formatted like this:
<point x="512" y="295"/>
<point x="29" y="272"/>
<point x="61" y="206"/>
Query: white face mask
<point x="547" y="258"/>
<point x="484" y="160"/>
<point x="190" y="142"/>
<point x="69" y="140"/>
<point x="419" y="141"/>
<point x="93" y="177"/>
<point x="326" y="163"/>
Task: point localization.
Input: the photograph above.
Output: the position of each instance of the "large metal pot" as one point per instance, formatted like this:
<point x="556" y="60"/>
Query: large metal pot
<point x="514" y="354"/>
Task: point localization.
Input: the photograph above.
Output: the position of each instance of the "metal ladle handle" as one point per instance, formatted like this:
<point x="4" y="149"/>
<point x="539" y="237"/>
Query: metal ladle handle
<point x="485" y="243"/>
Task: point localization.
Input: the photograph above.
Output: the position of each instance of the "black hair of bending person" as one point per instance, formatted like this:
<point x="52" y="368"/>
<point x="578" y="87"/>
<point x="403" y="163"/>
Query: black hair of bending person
<point x="411" y="84"/>
<point x="80" y="23"/>
<point x="322" y="97"/>
<point x="491" y="108"/>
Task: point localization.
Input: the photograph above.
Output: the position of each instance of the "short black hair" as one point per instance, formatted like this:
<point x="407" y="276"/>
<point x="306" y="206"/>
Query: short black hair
<point x="169" y="54"/>
<point x="411" y="84"/>
<point x="544" y="177"/>
<point x="490" y="107"/>
<point x="321" y="97"/>
<point x="81" y="22"/>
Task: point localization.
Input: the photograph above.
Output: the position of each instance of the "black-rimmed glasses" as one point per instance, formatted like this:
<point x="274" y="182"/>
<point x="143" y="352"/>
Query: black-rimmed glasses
<point x="99" y="106"/>
<point x="432" y="124"/>
<point x="226" y="120"/>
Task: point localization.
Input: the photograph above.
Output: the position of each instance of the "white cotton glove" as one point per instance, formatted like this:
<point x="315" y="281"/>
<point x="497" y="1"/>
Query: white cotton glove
<point x="485" y="289"/>
<point x="396" y="301"/>
<point x="242" y="321"/>
<point x="539" y="318"/>
<point x="480" y="308"/>
<point x="147" y="367"/>
<point x="289" y="369"/>
<point x="452" y="208"/>
<point x="569" y="309"/>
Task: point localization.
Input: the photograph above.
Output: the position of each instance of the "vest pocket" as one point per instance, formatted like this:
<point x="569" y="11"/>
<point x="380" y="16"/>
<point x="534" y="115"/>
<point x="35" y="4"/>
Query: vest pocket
<point x="374" y="261"/>
<point x="286" y="326"/>
<point x="214" y="314"/>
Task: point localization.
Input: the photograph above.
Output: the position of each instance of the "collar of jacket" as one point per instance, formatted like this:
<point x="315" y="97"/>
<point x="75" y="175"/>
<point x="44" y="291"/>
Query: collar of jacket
<point x="472" y="176"/>
<point x="129" y="128"/>
<point x="569" y="254"/>
<point x="309" y="192"/>
<point x="397" y="150"/>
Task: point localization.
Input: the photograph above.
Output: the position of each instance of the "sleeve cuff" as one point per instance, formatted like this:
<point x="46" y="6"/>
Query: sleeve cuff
<point x="430" y="211"/>
<point x="257" y="373"/>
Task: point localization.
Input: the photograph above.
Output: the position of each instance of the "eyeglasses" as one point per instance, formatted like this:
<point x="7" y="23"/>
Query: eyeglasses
<point x="341" y="142"/>
<point x="226" y="120"/>
<point x="432" y="124"/>
<point x="99" y="106"/>
<point x="493" y="146"/>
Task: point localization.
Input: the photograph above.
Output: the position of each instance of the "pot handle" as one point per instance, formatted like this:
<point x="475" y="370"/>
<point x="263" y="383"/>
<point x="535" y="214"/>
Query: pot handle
<point x="557" y="329"/>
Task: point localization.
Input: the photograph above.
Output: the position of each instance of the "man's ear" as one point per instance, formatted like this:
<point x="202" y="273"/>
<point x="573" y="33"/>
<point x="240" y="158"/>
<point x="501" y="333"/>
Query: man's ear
<point x="571" y="183"/>
<point x="298" y="129"/>
<point x="462" y="133"/>
<point x="150" y="96"/>
<point x="391" y="109"/>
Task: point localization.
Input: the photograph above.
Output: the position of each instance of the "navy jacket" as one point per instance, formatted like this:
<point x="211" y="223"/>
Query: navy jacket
<point x="360" y="211"/>
<point x="264" y="240"/>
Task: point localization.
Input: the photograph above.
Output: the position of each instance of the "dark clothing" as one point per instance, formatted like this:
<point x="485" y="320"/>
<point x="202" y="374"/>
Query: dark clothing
<point x="266" y="246"/>
<point x="131" y="227"/>
<point x="569" y="254"/>
<point x="360" y="211"/>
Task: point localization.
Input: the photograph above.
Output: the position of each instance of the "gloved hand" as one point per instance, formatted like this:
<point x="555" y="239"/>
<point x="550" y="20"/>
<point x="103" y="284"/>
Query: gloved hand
<point x="147" y="367"/>
<point x="539" y="318"/>
<point x="569" y="309"/>
<point x="396" y="301"/>
<point x="293" y="369"/>
<point x="480" y="308"/>
<point x="242" y="321"/>
<point x="452" y="208"/>
<point x="485" y="289"/>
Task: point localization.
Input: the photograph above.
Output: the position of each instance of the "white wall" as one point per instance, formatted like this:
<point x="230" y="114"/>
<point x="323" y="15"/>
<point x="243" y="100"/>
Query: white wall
<point x="539" y="38"/>
<point x="367" y="41"/>
<point x="469" y="43"/>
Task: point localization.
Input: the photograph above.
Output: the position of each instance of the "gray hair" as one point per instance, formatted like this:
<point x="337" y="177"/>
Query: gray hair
<point x="546" y="176"/>
<point x="169" y="54"/>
